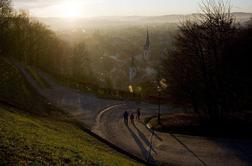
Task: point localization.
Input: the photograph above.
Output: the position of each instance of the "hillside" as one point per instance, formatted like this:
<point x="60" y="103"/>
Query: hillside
<point x="60" y="24"/>
<point x="31" y="132"/>
<point x="26" y="139"/>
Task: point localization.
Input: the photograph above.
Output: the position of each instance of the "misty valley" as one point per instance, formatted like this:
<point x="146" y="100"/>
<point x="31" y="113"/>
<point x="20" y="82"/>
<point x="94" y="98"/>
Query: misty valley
<point x="99" y="82"/>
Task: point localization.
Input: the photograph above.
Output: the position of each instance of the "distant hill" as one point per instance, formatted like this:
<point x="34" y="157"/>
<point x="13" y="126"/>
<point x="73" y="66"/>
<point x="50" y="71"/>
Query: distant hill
<point x="242" y="17"/>
<point x="112" y="21"/>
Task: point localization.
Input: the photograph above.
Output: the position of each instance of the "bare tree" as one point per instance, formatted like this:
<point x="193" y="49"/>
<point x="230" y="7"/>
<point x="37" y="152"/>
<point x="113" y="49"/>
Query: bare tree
<point x="81" y="66"/>
<point x="5" y="12"/>
<point x="194" y="67"/>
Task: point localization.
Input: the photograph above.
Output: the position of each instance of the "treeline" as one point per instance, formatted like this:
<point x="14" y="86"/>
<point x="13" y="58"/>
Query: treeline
<point x="209" y="68"/>
<point x="33" y="43"/>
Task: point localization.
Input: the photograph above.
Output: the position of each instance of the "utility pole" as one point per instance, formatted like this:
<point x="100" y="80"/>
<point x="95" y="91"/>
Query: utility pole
<point x="159" y="105"/>
<point x="161" y="84"/>
<point x="159" y="91"/>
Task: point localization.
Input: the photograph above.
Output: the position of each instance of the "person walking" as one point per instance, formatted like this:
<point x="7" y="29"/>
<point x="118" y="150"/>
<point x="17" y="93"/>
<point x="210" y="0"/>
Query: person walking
<point x="138" y="113"/>
<point x="132" y="118"/>
<point x="125" y="117"/>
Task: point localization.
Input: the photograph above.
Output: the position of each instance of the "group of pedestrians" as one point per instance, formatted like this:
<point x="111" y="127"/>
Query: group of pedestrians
<point x="132" y="117"/>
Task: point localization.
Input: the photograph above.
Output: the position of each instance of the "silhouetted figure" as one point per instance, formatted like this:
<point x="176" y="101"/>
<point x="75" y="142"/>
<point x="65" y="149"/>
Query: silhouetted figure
<point x="132" y="118"/>
<point x="138" y="113"/>
<point x="125" y="117"/>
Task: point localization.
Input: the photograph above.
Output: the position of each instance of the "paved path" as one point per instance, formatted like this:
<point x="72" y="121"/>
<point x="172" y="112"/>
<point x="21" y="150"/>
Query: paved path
<point x="104" y="117"/>
<point x="83" y="106"/>
<point x="169" y="149"/>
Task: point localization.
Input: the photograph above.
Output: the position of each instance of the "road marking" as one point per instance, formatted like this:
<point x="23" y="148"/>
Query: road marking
<point x="99" y="116"/>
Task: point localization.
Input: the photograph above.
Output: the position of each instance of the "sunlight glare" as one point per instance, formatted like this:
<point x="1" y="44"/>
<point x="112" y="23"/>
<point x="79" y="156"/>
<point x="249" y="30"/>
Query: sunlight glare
<point x="70" y="9"/>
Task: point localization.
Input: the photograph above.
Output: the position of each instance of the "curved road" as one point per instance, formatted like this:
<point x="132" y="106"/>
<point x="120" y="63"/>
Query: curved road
<point x="137" y="138"/>
<point x="105" y="119"/>
<point x="168" y="149"/>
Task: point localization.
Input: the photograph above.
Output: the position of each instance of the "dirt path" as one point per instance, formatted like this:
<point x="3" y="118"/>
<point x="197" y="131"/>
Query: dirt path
<point x="104" y="117"/>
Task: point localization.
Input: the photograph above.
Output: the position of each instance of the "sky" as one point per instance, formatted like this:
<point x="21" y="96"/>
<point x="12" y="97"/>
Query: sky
<point x="94" y="8"/>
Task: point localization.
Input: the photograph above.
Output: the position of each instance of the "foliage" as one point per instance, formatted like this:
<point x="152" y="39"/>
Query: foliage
<point x="199" y="71"/>
<point x="81" y="63"/>
<point x="238" y="68"/>
<point x="32" y="42"/>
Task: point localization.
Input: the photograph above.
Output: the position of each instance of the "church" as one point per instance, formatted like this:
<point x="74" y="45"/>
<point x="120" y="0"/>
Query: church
<point x="147" y="48"/>
<point x="140" y="68"/>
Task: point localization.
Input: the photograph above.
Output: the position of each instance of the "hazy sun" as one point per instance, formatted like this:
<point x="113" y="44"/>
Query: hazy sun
<point x="70" y="9"/>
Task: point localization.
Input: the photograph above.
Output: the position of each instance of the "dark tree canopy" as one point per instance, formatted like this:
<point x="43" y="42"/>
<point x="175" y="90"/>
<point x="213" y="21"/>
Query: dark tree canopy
<point x="200" y="70"/>
<point x="33" y="43"/>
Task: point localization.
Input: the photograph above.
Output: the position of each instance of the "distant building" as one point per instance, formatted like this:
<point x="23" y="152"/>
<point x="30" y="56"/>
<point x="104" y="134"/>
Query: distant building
<point x="141" y="67"/>
<point x="132" y="70"/>
<point x="147" y="47"/>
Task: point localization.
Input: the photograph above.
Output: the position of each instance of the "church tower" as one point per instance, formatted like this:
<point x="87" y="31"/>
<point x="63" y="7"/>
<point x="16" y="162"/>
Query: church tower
<point x="147" y="49"/>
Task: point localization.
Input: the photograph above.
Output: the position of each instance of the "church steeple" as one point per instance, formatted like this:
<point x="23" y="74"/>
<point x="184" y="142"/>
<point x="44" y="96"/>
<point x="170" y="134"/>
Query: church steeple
<point x="147" y="47"/>
<point x="147" y="43"/>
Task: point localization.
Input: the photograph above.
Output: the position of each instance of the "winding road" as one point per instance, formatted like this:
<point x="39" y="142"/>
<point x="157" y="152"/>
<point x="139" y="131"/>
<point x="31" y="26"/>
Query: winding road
<point x="168" y="149"/>
<point x="138" y="138"/>
<point x="104" y="117"/>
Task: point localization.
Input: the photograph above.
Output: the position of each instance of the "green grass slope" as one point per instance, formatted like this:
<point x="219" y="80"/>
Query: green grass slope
<point x="26" y="139"/>
<point x="16" y="91"/>
<point x="33" y="133"/>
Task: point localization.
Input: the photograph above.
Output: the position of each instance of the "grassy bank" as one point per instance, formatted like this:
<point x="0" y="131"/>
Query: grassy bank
<point x="26" y="139"/>
<point x="34" y="133"/>
<point x="15" y="90"/>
